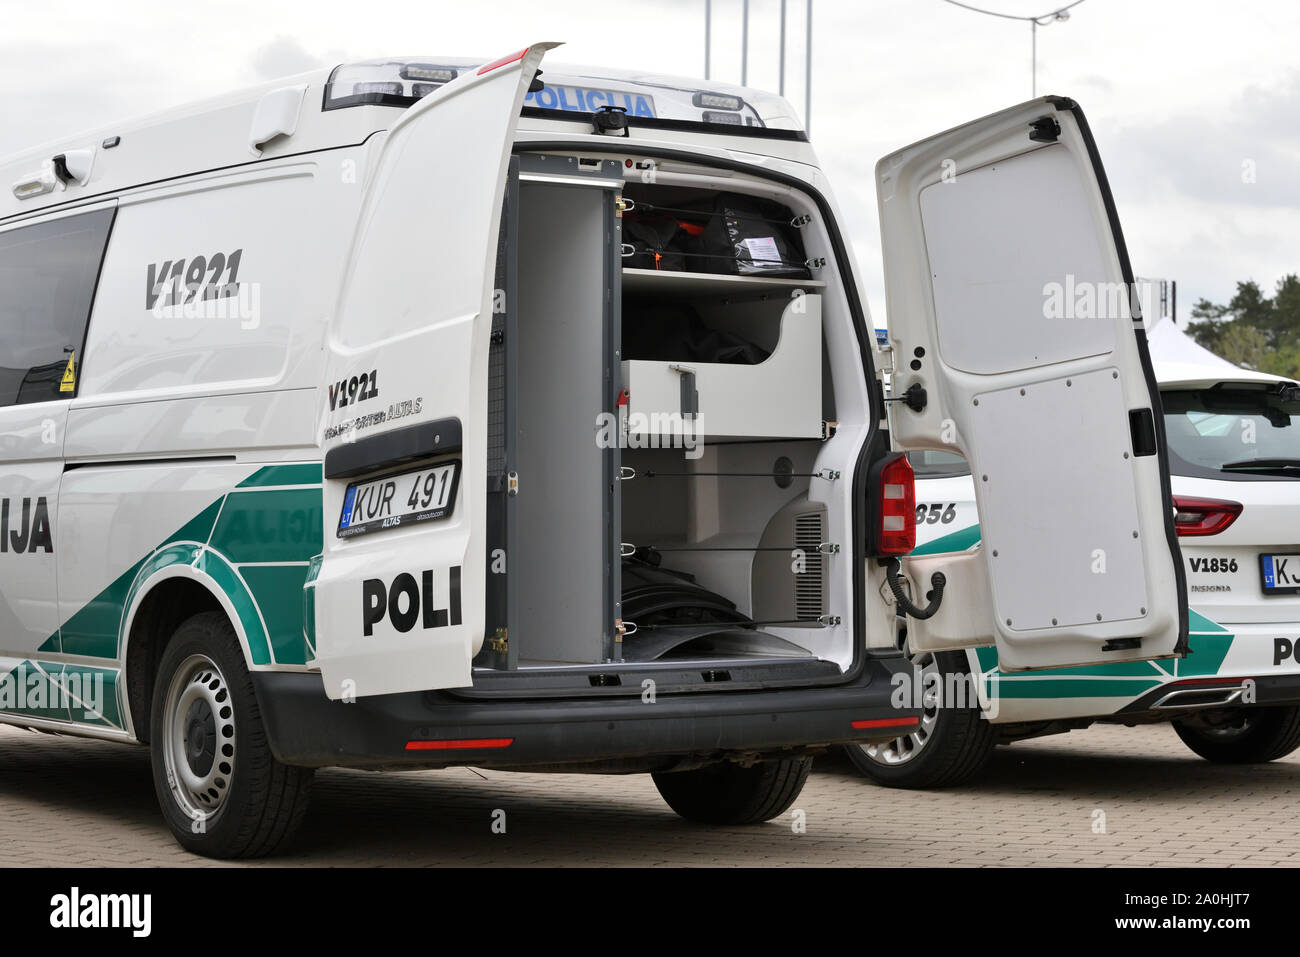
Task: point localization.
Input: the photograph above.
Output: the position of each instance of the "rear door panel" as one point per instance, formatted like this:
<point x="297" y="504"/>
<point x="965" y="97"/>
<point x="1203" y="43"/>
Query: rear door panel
<point x="402" y="608"/>
<point x="1008" y="292"/>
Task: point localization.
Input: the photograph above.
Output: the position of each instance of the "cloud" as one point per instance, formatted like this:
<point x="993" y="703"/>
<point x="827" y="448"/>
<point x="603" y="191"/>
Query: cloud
<point x="284" y="56"/>
<point x="1246" y="155"/>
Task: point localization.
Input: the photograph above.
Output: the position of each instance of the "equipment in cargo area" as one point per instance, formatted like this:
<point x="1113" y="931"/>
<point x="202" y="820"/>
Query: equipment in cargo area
<point x="727" y="234"/>
<point x="746" y="236"/>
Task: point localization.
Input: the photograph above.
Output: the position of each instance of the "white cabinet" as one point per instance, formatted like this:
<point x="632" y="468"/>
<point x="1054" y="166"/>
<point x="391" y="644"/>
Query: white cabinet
<point x="780" y="397"/>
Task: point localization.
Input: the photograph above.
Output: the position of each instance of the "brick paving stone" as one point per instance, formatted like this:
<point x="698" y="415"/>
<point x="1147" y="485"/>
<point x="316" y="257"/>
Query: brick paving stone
<point x="77" y="802"/>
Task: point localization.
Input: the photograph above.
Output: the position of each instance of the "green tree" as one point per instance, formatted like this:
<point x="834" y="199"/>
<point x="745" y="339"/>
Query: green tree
<point x="1284" y="361"/>
<point x="1208" y="331"/>
<point x="1243" y="345"/>
<point x="1252" y="330"/>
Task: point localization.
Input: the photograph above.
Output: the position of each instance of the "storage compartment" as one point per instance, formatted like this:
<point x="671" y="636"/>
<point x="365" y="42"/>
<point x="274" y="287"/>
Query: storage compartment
<point x="738" y="526"/>
<point x="654" y="437"/>
<point x="728" y="344"/>
<point x="779" y="396"/>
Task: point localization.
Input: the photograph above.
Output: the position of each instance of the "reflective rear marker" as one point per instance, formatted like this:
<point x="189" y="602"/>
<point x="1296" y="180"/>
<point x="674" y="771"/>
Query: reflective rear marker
<point x="886" y="723"/>
<point x="459" y="744"/>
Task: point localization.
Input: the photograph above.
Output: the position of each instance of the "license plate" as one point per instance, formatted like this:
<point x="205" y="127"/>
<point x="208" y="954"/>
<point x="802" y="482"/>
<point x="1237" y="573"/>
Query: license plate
<point x="581" y="99"/>
<point x="1281" y="574"/>
<point x="423" y="495"/>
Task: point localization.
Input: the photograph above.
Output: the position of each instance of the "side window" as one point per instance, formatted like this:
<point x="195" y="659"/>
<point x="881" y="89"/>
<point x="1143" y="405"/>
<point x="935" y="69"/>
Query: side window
<point x="47" y="281"/>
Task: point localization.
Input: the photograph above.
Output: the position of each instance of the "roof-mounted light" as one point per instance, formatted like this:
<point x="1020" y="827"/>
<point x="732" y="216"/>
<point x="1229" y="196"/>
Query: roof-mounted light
<point x="717" y="101"/>
<point x="386" y="82"/>
<point x="428" y="73"/>
<point x="649" y="99"/>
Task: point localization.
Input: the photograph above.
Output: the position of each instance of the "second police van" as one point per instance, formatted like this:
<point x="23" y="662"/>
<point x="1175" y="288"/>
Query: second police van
<point x="429" y="412"/>
<point x="1235" y="698"/>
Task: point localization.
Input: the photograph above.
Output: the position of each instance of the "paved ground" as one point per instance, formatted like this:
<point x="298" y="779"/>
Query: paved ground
<point x="72" y="802"/>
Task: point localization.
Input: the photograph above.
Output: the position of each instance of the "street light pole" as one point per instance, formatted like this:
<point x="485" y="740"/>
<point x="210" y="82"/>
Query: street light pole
<point x="744" y="43"/>
<point x="1033" y="59"/>
<point x="708" y="30"/>
<point x="781" y="83"/>
<point x="1059" y="15"/>
<point x="807" y="71"/>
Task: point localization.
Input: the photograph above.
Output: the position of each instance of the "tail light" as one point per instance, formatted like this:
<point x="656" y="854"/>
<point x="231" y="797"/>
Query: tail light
<point x="1203" y="516"/>
<point x="895" y="512"/>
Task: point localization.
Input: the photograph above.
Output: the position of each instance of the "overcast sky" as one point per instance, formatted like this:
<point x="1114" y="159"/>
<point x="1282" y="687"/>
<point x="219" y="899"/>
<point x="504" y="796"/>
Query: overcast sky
<point x="1183" y="95"/>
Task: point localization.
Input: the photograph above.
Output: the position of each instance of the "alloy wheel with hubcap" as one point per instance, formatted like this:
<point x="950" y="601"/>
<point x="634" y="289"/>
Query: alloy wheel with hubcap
<point x="950" y="744"/>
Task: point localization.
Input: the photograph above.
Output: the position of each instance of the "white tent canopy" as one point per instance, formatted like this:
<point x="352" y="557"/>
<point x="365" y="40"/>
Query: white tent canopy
<point x="1177" y="357"/>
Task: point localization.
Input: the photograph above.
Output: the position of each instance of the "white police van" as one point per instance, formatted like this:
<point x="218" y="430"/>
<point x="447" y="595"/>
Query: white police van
<point x="1235" y="460"/>
<point x="426" y="412"/>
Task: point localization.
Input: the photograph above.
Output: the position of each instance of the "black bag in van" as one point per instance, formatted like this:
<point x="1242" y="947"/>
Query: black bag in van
<point x="745" y="236"/>
<point x="656" y="242"/>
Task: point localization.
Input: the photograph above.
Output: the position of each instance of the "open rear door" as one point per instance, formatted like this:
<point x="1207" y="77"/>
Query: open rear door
<point x="1009" y="301"/>
<point x="398" y="595"/>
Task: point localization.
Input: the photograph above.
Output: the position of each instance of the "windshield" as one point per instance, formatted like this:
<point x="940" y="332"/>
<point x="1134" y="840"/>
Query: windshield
<point x="1234" y="431"/>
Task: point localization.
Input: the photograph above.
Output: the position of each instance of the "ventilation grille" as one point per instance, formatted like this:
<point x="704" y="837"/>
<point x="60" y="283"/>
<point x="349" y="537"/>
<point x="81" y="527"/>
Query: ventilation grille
<point x="810" y="586"/>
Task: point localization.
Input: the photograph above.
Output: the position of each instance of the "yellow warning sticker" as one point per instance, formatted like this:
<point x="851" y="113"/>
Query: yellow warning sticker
<point x="69" y="383"/>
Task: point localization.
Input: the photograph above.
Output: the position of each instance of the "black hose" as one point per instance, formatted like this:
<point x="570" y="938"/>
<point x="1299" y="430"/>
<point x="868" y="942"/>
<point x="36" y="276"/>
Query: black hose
<point x="934" y="597"/>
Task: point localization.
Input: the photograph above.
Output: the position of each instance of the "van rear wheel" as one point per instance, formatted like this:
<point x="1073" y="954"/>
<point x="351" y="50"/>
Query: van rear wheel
<point x="1250" y="736"/>
<point x="221" y="790"/>
<point x="728" y="793"/>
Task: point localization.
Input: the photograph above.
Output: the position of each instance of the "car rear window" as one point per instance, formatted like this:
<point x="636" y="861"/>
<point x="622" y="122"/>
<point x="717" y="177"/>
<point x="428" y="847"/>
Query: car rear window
<point x="1234" y="430"/>
<point x="932" y="463"/>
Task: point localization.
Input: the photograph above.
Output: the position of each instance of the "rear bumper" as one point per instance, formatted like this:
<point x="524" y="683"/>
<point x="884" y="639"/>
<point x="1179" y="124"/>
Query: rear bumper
<point x="440" y="729"/>
<point x="1204" y="694"/>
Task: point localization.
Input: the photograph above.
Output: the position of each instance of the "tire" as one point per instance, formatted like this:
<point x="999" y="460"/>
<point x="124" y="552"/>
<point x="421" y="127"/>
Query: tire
<point x="950" y="746"/>
<point x="222" y="792"/>
<point x="728" y="793"/>
<point x="1257" y="736"/>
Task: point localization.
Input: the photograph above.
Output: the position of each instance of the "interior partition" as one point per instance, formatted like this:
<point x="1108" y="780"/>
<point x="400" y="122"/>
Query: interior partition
<point x="562" y="520"/>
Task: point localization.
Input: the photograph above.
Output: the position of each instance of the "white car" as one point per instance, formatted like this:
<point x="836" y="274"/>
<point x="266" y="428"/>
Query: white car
<point x="1234" y="450"/>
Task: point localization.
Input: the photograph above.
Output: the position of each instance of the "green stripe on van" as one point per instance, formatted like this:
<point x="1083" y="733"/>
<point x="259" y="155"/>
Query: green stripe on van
<point x="29" y="689"/>
<point x="227" y="579"/>
<point x="283" y="475"/>
<point x="960" y="541"/>
<point x="270" y="525"/>
<point x="92" y="681"/>
<point x="1073" y="687"/>
<point x="277" y="589"/>
<point x="92" y="629"/>
<point x="1206" y="656"/>
<point x="255" y="525"/>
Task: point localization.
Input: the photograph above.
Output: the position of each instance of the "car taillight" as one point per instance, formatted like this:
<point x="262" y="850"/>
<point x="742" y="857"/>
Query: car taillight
<point x="896" y="510"/>
<point x="1203" y="516"/>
